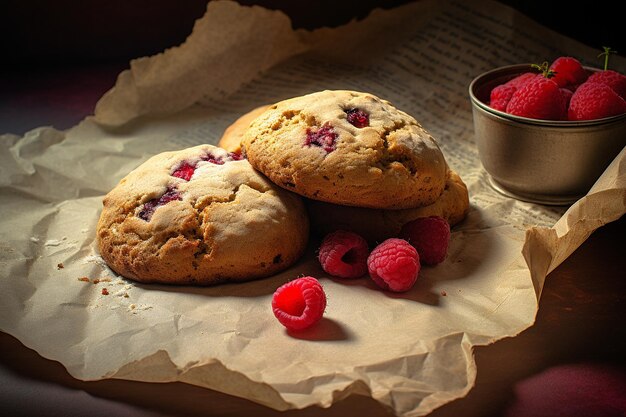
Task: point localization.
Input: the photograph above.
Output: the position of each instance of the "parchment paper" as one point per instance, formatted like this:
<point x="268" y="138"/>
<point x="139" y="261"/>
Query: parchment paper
<point x="412" y="351"/>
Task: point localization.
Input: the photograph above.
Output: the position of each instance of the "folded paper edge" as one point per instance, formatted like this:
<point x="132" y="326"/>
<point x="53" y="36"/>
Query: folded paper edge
<point x="546" y="248"/>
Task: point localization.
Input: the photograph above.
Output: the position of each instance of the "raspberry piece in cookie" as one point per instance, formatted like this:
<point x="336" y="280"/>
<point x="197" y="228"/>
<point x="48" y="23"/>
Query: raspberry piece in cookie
<point x="358" y="118"/>
<point x="200" y="216"/>
<point x="324" y="137"/>
<point x="300" y="303"/>
<point x="344" y="254"/>
<point x="394" y="265"/>
<point x="184" y="171"/>
<point x="148" y="208"/>
<point x="348" y="148"/>
<point x="213" y="159"/>
<point x="235" y="156"/>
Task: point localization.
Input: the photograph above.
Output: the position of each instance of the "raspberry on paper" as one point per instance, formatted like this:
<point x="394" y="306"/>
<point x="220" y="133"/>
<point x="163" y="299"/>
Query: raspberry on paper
<point x="430" y="236"/>
<point x="394" y="265"/>
<point x="300" y="303"/>
<point x="344" y="254"/>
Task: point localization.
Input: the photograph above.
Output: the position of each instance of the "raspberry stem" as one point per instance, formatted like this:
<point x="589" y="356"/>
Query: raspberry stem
<point x="545" y="70"/>
<point x="607" y="51"/>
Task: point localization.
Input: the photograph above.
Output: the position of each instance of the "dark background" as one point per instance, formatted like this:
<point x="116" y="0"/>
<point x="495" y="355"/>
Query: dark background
<point x="60" y="56"/>
<point x="67" y="32"/>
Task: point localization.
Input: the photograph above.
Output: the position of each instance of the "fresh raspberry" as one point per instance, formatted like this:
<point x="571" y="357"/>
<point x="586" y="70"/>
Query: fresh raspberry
<point x="323" y="137"/>
<point x="595" y="101"/>
<point x="613" y="79"/>
<point x="540" y="98"/>
<point x="344" y="254"/>
<point x="430" y="236"/>
<point x="149" y="207"/>
<point x="394" y="265"/>
<point x="184" y="171"/>
<point x="358" y="118"/>
<point x="501" y="95"/>
<point x="300" y="303"/>
<point x="568" y="71"/>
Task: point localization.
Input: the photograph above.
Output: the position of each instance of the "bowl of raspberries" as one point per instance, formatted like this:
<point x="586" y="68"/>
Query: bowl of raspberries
<point x="545" y="133"/>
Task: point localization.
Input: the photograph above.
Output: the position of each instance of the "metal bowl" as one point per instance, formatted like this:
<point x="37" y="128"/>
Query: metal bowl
<point x="541" y="161"/>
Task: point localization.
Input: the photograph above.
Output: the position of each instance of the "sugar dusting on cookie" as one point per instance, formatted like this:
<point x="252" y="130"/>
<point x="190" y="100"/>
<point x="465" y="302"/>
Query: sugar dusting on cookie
<point x="153" y="226"/>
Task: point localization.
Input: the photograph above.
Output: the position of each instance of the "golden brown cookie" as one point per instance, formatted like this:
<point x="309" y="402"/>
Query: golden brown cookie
<point x="200" y="216"/>
<point x="231" y="139"/>
<point x="378" y="225"/>
<point x="349" y="148"/>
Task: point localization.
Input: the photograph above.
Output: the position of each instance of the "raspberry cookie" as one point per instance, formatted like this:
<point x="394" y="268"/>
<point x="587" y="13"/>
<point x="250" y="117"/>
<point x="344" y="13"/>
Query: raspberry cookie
<point x="348" y="148"/>
<point x="378" y="225"/>
<point x="231" y="139"/>
<point x="200" y="216"/>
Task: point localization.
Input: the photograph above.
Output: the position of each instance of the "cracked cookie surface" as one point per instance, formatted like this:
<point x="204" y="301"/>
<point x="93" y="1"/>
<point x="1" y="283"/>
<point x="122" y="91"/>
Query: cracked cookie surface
<point x="348" y="148"/>
<point x="200" y="216"/>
